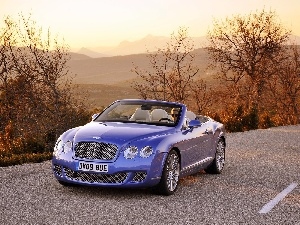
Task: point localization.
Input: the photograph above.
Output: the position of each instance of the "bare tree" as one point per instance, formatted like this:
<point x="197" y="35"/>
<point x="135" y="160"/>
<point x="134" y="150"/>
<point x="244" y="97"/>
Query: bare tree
<point x="243" y="49"/>
<point x="171" y="70"/>
<point x="202" y="97"/>
<point x="284" y="87"/>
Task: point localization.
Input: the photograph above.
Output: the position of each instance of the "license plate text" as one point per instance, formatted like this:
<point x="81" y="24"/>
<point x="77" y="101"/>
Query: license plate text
<point x="95" y="167"/>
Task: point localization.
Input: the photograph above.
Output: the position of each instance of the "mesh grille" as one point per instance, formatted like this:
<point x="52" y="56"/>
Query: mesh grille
<point x="57" y="170"/>
<point x="95" y="177"/>
<point x="95" y="150"/>
<point x="139" y="176"/>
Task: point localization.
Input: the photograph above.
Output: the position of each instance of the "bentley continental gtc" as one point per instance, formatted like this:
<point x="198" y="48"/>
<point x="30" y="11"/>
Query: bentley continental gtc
<point x="140" y="144"/>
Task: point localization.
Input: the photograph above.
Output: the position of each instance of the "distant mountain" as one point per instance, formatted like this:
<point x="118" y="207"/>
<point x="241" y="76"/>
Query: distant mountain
<point x="91" y="53"/>
<point x="148" y="43"/>
<point x="295" y="39"/>
<point x="77" y="56"/>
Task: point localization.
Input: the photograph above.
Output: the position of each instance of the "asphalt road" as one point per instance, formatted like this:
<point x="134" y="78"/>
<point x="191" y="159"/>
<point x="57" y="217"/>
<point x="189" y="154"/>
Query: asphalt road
<point x="260" y="185"/>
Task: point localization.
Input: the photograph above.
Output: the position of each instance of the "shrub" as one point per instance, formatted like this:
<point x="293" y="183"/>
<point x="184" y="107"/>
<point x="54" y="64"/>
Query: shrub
<point x="24" y="158"/>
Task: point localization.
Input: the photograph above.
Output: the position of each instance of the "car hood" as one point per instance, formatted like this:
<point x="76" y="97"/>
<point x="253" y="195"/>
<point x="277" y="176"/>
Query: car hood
<point x="118" y="133"/>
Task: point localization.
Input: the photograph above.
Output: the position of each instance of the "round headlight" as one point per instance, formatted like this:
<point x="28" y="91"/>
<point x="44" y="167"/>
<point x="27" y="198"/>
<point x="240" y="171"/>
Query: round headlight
<point x="58" y="146"/>
<point x="146" y="151"/>
<point x="68" y="146"/>
<point x="130" y="152"/>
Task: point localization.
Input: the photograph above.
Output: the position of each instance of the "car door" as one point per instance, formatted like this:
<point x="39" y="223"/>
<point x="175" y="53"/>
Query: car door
<point x="194" y="146"/>
<point x="207" y="147"/>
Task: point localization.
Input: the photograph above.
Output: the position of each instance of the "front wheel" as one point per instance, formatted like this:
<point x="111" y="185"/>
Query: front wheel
<point x="170" y="175"/>
<point x="218" y="164"/>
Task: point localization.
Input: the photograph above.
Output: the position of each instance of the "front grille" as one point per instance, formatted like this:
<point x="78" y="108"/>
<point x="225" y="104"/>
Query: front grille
<point x="57" y="170"/>
<point x="95" y="150"/>
<point x="95" y="177"/>
<point x="139" y="176"/>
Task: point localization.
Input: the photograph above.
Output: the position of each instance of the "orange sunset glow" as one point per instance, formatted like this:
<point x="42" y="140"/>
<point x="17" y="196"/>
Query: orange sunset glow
<point x="95" y="23"/>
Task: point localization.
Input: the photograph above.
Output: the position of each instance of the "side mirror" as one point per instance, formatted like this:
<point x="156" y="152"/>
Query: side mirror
<point x="94" y="116"/>
<point x="194" y="124"/>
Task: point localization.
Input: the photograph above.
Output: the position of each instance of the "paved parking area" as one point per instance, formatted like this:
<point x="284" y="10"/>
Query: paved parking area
<point x="260" y="185"/>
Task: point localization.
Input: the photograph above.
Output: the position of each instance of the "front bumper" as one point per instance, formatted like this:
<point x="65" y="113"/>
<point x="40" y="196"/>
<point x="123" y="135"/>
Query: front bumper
<point x="138" y="172"/>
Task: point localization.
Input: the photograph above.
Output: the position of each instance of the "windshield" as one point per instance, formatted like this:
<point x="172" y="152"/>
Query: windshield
<point x="157" y="113"/>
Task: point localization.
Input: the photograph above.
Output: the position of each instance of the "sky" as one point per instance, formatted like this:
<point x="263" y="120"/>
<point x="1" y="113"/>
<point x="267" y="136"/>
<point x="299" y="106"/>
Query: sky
<point x="95" y="23"/>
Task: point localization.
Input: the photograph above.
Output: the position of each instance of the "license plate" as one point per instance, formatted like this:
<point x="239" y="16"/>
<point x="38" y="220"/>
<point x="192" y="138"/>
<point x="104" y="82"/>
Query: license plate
<point x="95" y="167"/>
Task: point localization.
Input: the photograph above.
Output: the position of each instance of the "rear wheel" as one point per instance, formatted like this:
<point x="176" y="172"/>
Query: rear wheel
<point x="170" y="175"/>
<point x="218" y="164"/>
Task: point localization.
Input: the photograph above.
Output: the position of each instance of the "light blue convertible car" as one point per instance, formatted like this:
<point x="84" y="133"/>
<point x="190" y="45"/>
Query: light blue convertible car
<point x="140" y="143"/>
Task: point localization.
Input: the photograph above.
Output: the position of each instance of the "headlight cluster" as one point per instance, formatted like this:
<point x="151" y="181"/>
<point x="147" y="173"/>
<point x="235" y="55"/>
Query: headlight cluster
<point x="146" y="151"/>
<point x="60" y="146"/>
<point x="131" y="151"/>
<point x="67" y="147"/>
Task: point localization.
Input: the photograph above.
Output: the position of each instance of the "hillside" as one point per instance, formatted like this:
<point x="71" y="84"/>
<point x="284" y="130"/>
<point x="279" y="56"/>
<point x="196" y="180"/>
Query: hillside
<point x="117" y="69"/>
<point x="91" y="53"/>
<point x="100" y="95"/>
<point x="78" y="56"/>
<point x="113" y="65"/>
<point x="107" y="79"/>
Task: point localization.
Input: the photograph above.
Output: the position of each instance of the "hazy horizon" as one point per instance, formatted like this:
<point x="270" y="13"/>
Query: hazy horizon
<point x="107" y="23"/>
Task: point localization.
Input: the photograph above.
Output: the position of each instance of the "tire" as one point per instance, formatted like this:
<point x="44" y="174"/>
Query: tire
<point x="170" y="176"/>
<point x="218" y="163"/>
